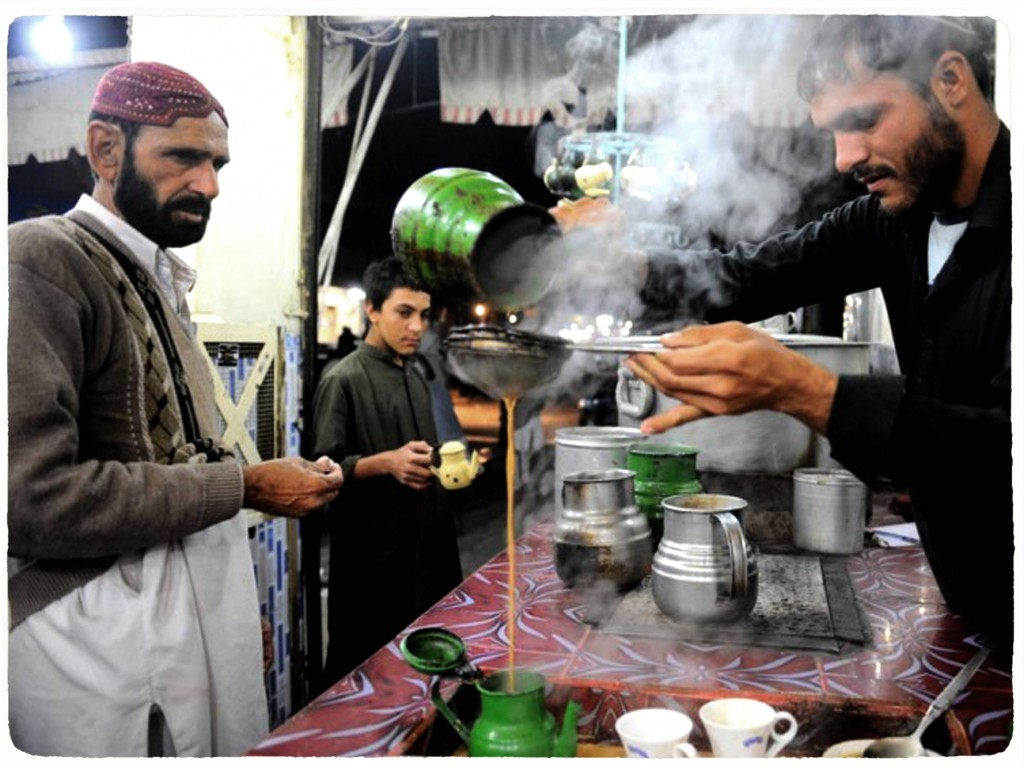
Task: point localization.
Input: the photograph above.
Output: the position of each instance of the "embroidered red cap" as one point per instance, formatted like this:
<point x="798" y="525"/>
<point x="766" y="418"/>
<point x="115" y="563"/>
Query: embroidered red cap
<point x="153" y="94"/>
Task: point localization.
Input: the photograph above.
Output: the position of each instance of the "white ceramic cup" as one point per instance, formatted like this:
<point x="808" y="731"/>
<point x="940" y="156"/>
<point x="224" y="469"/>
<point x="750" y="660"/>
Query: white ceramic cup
<point x="655" y="733"/>
<point x="741" y="727"/>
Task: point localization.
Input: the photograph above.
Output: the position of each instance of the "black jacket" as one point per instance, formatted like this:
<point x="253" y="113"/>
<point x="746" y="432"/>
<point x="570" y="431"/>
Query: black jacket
<point x="394" y="550"/>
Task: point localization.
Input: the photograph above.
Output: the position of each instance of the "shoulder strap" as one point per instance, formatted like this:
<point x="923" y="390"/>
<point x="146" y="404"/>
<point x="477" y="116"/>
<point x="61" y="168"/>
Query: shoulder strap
<point x="145" y="297"/>
<point x="170" y="414"/>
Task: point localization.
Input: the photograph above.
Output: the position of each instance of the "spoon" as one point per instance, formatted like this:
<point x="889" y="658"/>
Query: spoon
<point x="910" y="745"/>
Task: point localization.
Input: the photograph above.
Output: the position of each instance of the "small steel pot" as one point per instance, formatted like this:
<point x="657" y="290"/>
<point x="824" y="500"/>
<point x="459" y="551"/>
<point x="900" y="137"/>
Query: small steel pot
<point x="591" y="448"/>
<point x="830" y="508"/>
<point x="601" y="538"/>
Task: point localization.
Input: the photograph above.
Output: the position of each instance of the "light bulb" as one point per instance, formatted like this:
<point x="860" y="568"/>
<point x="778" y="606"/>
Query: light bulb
<point x="51" y="39"/>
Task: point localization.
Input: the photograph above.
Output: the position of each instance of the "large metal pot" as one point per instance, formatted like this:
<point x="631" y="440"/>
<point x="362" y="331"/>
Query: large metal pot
<point x="762" y="442"/>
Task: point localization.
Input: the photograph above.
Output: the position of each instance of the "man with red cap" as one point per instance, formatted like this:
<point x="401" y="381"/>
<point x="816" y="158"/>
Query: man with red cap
<point x="134" y="620"/>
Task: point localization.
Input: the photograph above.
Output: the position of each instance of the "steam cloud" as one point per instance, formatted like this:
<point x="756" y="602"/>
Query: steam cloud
<point x="718" y="94"/>
<point x="712" y="82"/>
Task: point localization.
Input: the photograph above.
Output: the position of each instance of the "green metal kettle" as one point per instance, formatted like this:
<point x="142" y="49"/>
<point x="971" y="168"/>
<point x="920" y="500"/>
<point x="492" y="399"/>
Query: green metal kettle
<point x="513" y="719"/>
<point x="469" y="235"/>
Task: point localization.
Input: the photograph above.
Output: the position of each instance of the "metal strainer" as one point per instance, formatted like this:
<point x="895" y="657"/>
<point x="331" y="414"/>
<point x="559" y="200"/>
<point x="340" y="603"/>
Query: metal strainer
<point x="502" y="362"/>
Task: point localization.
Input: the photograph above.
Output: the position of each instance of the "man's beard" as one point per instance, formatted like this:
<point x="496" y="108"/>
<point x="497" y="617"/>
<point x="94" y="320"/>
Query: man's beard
<point x="136" y="201"/>
<point x="934" y="162"/>
<point x="932" y="165"/>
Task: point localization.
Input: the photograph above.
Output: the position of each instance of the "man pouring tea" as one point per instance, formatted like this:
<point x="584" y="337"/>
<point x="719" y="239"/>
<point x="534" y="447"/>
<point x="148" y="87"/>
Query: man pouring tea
<point x="905" y="99"/>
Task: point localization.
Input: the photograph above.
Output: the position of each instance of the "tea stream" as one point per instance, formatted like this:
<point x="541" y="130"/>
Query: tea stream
<point x="510" y="533"/>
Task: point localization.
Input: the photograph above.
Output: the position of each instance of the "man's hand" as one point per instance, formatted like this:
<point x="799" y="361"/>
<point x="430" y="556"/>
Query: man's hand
<point x="587" y="212"/>
<point x="291" y="487"/>
<point x="730" y="368"/>
<point x="410" y="464"/>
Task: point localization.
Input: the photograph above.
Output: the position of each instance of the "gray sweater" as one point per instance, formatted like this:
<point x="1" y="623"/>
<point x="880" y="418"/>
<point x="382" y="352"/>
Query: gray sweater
<point x="84" y="481"/>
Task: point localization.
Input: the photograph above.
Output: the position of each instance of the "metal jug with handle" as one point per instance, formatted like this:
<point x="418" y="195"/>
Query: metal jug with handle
<point x="704" y="570"/>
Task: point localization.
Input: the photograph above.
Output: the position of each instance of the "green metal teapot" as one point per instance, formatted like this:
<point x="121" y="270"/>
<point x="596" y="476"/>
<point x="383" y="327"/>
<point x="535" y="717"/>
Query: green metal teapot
<point x="513" y="720"/>
<point x="469" y="235"/>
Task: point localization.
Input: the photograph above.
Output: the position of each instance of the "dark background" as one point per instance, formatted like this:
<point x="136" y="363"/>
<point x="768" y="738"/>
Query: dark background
<point x="409" y="142"/>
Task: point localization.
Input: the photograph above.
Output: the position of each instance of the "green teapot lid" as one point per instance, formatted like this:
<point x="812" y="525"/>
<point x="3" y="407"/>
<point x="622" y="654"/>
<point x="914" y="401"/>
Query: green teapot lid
<point x="433" y="650"/>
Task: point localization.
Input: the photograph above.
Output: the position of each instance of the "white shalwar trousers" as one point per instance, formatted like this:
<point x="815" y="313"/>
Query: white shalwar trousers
<point x="176" y="627"/>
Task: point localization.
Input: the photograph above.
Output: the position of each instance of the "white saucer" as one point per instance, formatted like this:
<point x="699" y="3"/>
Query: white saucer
<point x="855" y="749"/>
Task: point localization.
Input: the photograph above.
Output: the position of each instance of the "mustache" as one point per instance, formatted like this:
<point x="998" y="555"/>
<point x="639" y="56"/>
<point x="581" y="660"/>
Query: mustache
<point x="191" y="204"/>
<point x="862" y="174"/>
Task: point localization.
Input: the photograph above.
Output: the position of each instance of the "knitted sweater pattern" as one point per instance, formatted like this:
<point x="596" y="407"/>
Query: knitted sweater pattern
<point x="164" y="374"/>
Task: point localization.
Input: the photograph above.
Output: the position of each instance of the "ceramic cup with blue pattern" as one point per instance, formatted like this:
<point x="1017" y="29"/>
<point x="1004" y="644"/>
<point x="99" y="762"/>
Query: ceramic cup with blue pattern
<point x="743" y="727"/>
<point x="650" y="733"/>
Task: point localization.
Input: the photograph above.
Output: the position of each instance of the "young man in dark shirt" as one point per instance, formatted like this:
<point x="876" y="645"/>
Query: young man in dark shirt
<point x="394" y="551"/>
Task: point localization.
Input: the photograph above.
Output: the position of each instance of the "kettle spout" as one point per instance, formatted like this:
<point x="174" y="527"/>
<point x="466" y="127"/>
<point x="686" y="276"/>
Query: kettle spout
<point x="565" y="746"/>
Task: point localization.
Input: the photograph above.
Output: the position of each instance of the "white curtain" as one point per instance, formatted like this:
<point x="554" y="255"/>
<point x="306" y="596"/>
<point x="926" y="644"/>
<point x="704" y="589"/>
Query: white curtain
<point x="48" y="108"/>
<point x="516" y="69"/>
<point x="709" y="68"/>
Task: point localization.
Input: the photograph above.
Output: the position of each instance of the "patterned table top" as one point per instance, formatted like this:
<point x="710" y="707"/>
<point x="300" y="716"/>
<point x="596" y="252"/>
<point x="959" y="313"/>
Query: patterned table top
<point x="383" y="708"/>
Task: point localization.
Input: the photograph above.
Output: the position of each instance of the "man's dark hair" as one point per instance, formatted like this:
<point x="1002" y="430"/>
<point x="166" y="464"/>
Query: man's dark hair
<point x="382" y="277"/>
<point x="128" y="128"/>
<point x="906" y="46"/>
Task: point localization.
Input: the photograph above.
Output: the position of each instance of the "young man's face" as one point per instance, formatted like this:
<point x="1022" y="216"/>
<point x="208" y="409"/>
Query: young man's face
<point x="169" y="178"/>
<point x="904" y="148"/>
<point x="400" y="321"/>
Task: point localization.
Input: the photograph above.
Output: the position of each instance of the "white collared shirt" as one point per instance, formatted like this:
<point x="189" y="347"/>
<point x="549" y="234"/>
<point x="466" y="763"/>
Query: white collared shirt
<point x="174" y="277"/>
<point x="945" y="233"/>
